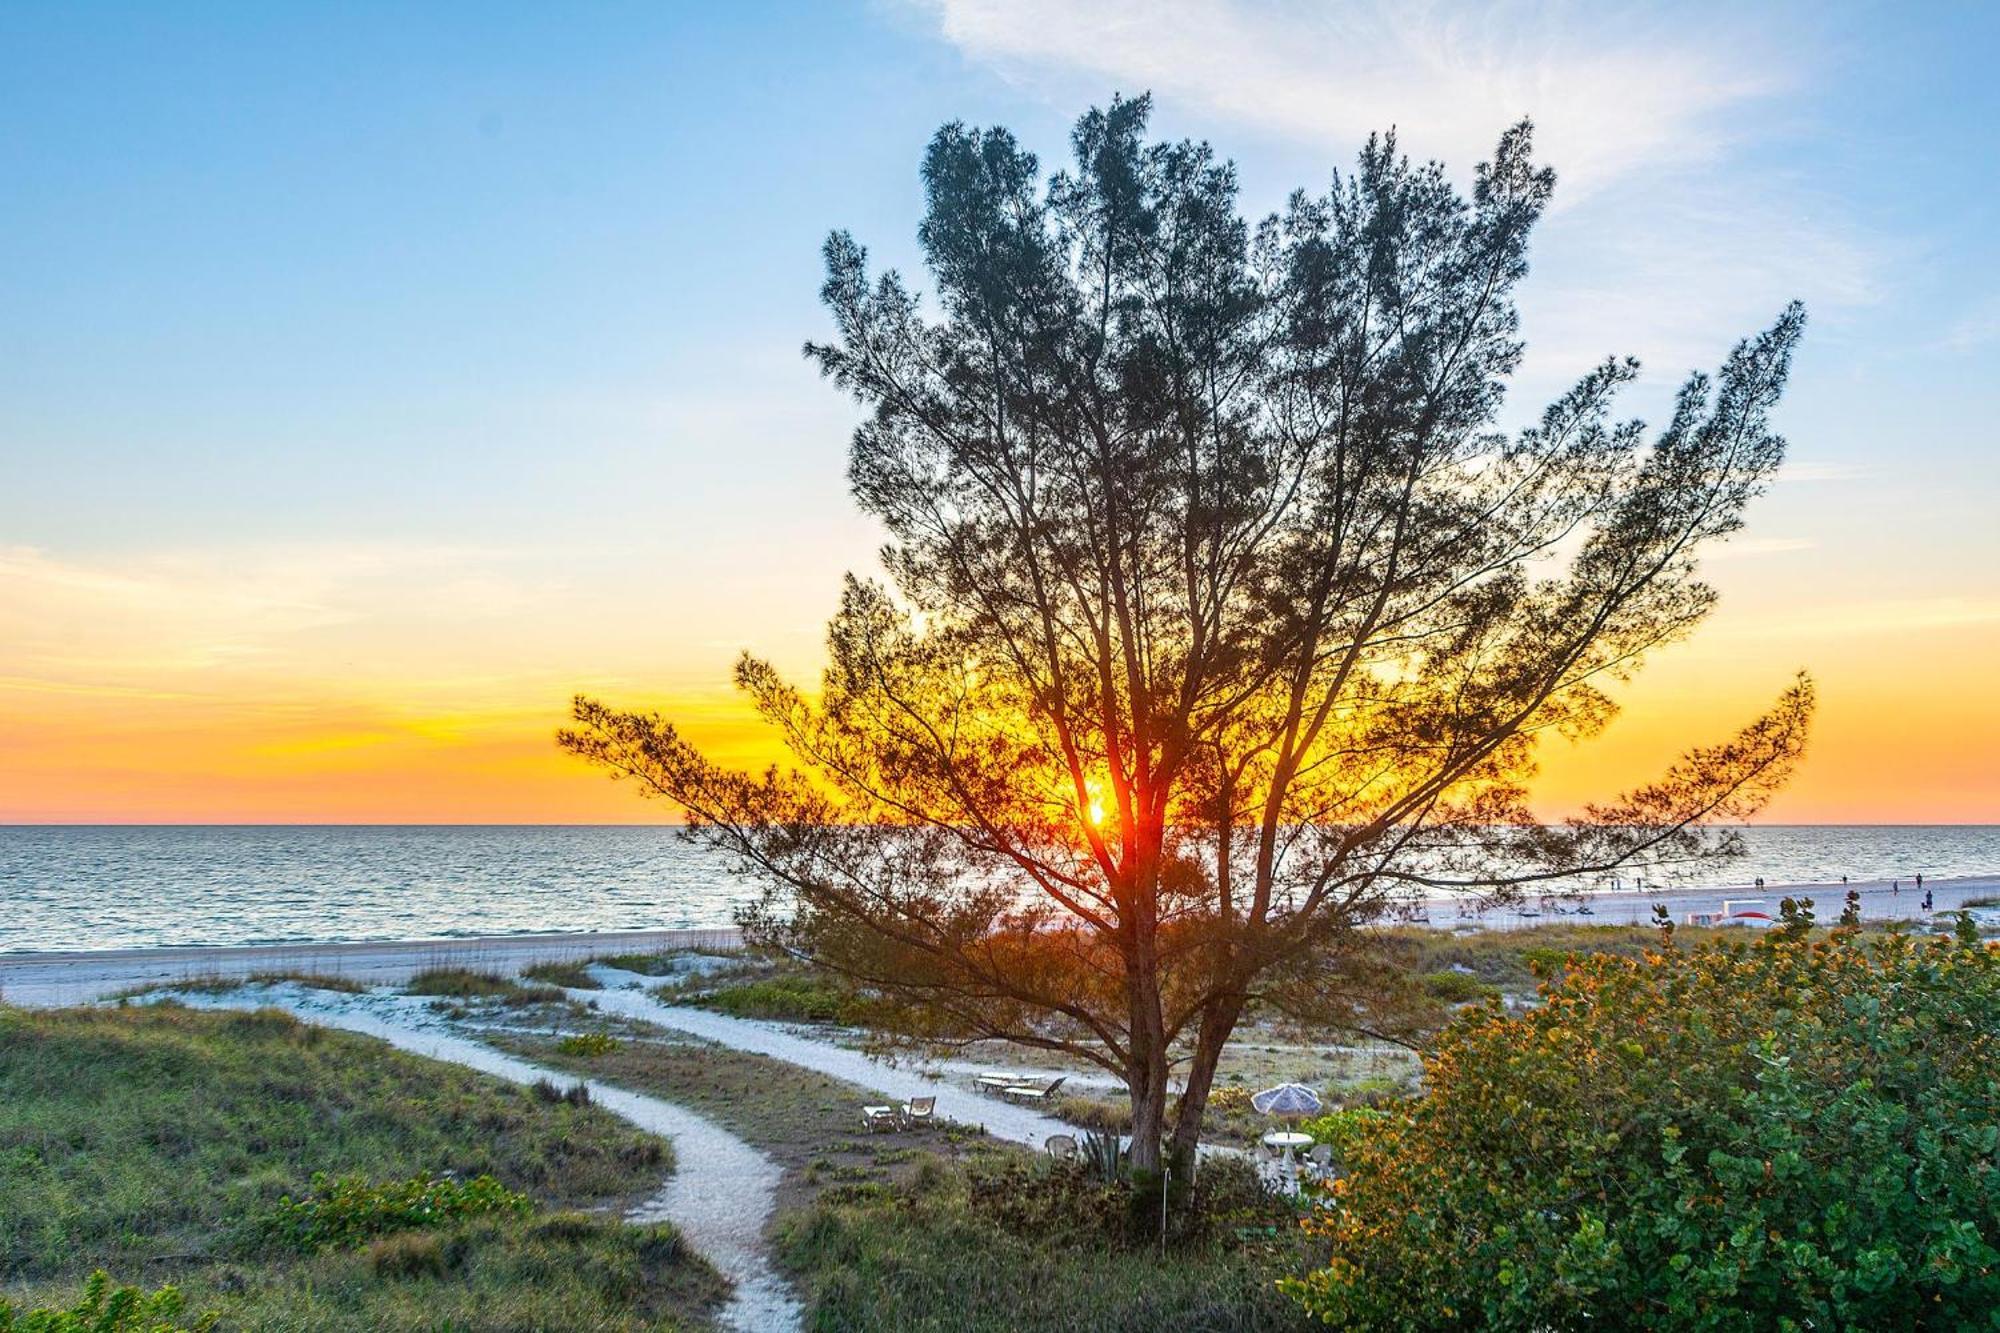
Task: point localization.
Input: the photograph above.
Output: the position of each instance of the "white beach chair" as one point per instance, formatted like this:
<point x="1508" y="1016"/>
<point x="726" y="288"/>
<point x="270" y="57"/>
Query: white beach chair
<point x="1029" y="1092"/>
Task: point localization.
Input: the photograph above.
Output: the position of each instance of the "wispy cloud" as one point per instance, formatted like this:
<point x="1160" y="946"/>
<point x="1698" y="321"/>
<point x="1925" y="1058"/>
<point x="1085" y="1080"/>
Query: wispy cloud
<point x="1611" y="92"/>
<point x="169" y="615"/>
<point x="1977" y="327"/>
<point x="1872" y="619"/>
<point x="1665" y="243"/>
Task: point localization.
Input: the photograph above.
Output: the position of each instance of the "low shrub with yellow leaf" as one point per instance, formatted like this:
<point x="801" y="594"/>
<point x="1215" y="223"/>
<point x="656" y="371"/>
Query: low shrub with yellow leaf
<point x="1785" y="1134"/>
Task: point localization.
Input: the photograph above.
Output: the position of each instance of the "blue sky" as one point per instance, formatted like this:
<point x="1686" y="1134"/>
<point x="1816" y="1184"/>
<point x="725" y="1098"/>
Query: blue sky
<point x="449" y="353"/>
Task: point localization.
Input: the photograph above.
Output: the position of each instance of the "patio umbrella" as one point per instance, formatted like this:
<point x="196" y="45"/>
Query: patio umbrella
<point x="1287" y="1099"/>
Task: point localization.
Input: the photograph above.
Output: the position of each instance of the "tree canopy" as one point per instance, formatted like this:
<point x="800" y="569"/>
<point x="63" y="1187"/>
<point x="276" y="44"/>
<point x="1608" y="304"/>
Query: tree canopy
<point x="1219" y="613"/>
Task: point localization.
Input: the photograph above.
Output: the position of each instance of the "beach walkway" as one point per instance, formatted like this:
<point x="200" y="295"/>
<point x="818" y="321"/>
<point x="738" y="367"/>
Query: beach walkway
<point x="625" y="995"/>
<point x="720" y="1195"/>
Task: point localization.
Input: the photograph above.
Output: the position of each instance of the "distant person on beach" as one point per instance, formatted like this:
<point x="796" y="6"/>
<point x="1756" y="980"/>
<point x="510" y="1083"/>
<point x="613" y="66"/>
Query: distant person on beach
<point x="1920" y="879"/>
<point x="1896" y="889"/>
<point x="1927" y="900"/>
<point x="1843" y="880"/>
<point x="1760" y="882"/>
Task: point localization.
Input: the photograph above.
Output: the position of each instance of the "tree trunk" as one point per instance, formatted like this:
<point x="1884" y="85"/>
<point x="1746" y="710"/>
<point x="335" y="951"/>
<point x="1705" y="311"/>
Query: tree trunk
<point x="1146" y="1068"/>
<point x="1148" y="1088"/>
<point x="1216" y="1026"/>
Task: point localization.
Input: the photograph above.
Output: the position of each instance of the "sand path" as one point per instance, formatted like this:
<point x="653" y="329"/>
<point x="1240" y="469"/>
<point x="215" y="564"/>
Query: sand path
<point x="722" y="1190"/>
<point x="625" y="995"/>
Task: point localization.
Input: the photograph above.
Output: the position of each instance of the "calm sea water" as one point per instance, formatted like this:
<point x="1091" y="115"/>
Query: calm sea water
<point x="104" y="887"/>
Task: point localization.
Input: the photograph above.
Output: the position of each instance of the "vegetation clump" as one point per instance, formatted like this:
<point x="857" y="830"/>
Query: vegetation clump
<point x="1794" y="1133"/>
<point x="348" y="1210"/>
<point x="573" y="975"/>
<point x="465" y="984"/>
<point x="1056" y="1249"/>
<point x="104" y="1308"/>
<point x="795" y="999"/>
<point x="588" y="1043"/>
<point x="576" y="1094"/>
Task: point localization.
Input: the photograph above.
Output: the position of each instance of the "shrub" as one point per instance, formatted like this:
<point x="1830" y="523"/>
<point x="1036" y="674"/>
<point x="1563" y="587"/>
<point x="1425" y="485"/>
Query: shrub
<point x="1229" y="1100"/>
<point x="107" y="1309"/>
<point x="408" y="1254"/>
<point x="347" y="1211"/>
<point x="788" y="998"/>
<point x="576" y="1094"/>
<point x="588" y="1043"/>
<point x="1781" y="1134"/>
<point x="575" y="975"/>
<point x="1093" y="1114"/>
<point x="459" y="982"/>
<point x="1455" y="987"/>
<point x="1346" y="1130"/>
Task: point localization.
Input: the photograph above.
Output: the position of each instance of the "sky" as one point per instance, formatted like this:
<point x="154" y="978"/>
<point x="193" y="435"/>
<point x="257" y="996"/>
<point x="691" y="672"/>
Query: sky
<point x="375" y="377"/>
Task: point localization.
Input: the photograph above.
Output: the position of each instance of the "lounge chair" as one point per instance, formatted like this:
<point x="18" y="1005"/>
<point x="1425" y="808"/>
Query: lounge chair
<point x="1029" y="1092"/>
<point x="1062" y="1147"/>
<point x="919" y="1110"/>
<point x="877" y="1118"/>
<point x="995" y="1082"/>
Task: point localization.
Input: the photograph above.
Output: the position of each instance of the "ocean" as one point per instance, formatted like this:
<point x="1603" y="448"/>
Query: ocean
<point x="72" y="887"/>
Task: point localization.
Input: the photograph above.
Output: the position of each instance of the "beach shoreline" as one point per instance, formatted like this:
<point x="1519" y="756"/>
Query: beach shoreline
<point x="46" y="978"/>
<point x="83" y="976"/>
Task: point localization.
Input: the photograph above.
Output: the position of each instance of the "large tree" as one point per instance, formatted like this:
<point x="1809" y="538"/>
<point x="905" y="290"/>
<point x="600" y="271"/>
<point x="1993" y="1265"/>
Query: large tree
<point x="1219" y="617"/>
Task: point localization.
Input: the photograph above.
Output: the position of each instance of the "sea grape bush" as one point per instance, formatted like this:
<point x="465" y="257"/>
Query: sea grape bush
<point x="107" y="1309"/>
<point x="588" y="1043"/>
<point x="1786" y="1134"/>
<point x="350" y="1210"/>
<point x="1344" y="1130"/>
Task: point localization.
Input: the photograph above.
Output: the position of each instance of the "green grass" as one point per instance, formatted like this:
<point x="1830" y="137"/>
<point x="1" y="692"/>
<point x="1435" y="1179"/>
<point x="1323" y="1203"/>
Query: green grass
<point x="574" y="974"/>
<point x="464" y="984"/>
<point x="881" y="1231"/>
<point x="807" y="1122"/>
<point x="795" y="999"/>
<point x="157" y="1142"/>
<point x="754" y="985"/>
<point x="220" y="985"/>
<point x="587" y="1044"/>
<point x="932" y="1253"/>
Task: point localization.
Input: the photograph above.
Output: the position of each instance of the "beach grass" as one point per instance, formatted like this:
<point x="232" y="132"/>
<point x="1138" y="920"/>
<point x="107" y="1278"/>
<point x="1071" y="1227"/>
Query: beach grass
<point x="574" y="975"/>
<point x="462" y="983"/>
<point x="222" y="985"/>
<point x="158" y="1142"/>
<point x="952" y="1247"/>
<point x="880" y="1231"/>
<point x="807" y="1122"/>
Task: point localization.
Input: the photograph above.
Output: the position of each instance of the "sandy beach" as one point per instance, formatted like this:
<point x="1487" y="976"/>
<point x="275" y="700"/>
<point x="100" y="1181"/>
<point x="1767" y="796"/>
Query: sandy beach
<point x="44" y="979"/>
<point x="1881" y="900"/>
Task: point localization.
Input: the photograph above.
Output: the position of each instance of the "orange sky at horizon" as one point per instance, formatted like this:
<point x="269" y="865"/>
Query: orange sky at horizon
<point x="412" y="688"/>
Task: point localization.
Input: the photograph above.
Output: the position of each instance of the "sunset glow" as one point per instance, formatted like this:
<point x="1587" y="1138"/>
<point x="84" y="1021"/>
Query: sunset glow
<point x="323" y="489"/>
